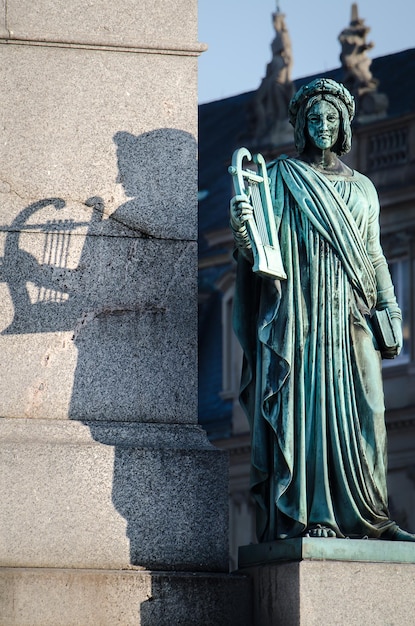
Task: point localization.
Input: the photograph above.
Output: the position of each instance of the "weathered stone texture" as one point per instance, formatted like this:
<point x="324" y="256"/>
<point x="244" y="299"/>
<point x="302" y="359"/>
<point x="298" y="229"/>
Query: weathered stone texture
<point x="107" y="598"/>
<point x="102" y="463"/>
<point x="111" y="334"/>
<point x="107" y="495"/>
<point x="3" y="29"/>
<point x="88" y="123"/>
<point x="127" y="23"/>
<point x="311" y="593"/>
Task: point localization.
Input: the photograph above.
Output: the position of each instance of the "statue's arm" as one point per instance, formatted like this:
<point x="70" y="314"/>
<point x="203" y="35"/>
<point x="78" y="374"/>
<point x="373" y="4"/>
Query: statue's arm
<point x="386" y="298"/>
<point x="385" y="292"/>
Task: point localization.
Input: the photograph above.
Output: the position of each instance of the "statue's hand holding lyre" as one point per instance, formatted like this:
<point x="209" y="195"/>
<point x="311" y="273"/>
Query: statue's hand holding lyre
<point x="252" y="216"/>
<point x="240" y="212"/>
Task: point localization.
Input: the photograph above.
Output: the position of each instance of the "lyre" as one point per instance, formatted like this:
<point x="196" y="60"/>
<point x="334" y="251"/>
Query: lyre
<point x="261" y="227"/>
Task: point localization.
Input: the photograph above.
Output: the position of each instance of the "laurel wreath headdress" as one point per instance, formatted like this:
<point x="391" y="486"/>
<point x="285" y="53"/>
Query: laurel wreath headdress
<point x="321" y="86"/>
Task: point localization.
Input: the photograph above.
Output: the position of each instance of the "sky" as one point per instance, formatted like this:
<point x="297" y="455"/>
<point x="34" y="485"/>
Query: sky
<point x="239" y="34"/>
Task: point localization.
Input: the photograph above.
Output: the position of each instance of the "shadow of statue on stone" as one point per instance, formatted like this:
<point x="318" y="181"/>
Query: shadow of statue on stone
<point x="38" y="266"/>
<point x="117" y="293"/>
<point x="134" y="344"/>
<point x="125" y="349"/>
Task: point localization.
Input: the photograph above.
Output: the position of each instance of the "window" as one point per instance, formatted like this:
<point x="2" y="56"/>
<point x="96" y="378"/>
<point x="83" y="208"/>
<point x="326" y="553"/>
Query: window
<point x="388" y="149"/>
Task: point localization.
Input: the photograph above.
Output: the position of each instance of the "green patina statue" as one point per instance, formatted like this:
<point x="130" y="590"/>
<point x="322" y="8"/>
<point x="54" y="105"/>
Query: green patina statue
<point x="311" y="381"/>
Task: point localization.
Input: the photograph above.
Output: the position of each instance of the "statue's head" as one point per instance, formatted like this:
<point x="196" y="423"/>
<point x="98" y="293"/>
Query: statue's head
<point x="330" y="91"/>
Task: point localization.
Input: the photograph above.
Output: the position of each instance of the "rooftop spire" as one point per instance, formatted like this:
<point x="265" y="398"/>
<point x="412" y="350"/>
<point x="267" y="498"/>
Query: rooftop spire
<point x="356" y="64"/>
<point x="269" y="107"/>
<point x="355" y="13"/>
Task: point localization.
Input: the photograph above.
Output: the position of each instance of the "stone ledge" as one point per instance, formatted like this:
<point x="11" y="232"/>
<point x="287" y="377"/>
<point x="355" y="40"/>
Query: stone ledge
<point x="317" y="549"/>
<point x="125" y="22"/>
<point x="128" y="434"/>
<point x="177" y="49"/>
<point x="112" y="496"/>
<point x="47" y="597"/>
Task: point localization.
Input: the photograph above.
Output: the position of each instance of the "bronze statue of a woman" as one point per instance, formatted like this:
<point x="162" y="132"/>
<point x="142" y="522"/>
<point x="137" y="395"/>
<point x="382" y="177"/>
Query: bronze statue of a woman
<point x="311" y="381"/>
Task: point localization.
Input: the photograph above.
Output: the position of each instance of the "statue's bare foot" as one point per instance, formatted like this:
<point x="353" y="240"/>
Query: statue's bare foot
<point x="397" y="534"/>
<point x="319" y="531"/>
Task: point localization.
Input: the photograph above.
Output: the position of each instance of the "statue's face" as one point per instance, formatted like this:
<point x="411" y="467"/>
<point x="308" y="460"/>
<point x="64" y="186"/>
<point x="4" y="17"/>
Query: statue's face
<point x="323" y="123"/>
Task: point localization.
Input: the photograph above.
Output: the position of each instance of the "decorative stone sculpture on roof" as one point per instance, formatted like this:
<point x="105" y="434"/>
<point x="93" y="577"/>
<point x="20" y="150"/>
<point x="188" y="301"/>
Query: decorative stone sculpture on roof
<point x="268" y="110"/>
<point x="356" y="64"/>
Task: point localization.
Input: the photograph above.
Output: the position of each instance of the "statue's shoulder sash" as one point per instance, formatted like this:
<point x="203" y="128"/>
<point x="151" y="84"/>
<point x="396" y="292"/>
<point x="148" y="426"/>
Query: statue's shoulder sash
<point x="318" y="199"/>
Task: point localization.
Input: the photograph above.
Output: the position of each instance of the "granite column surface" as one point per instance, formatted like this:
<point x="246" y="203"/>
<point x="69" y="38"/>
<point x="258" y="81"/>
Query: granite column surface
<point x="103" y="466"/>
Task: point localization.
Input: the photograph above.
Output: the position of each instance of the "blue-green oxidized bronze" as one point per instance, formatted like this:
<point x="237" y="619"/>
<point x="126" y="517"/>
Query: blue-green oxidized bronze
<point x="311" y="381"/>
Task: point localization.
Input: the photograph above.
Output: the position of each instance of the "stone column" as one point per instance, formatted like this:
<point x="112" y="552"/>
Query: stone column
<point x="114" y="505"/>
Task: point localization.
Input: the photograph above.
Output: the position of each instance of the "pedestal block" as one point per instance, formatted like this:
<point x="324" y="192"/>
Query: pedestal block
<point x="111" y="495"/>
<point x="331" y="581"/>
<point x="108" y="598"/>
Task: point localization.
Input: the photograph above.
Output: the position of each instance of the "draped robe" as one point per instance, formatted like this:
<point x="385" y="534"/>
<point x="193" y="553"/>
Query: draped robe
<point x="311" y="380"/>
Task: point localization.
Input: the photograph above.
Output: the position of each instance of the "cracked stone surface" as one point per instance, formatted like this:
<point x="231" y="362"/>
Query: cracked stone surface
<point x="142" y="171"/>
<point x="112" y="335"/>
<point x="98" y="233"/>
<point x="102" y="462"/>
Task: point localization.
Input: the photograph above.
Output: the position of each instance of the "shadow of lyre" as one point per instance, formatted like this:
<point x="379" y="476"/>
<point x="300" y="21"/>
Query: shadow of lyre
<point x="55" y="254"/>
<point x="40" y="280"/>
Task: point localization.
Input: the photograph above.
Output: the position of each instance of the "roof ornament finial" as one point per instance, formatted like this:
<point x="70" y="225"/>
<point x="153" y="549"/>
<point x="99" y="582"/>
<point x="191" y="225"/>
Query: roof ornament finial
<point x="268" y="111"/>
<point x="355" y="13"/>
<point x="356" y="64"/>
